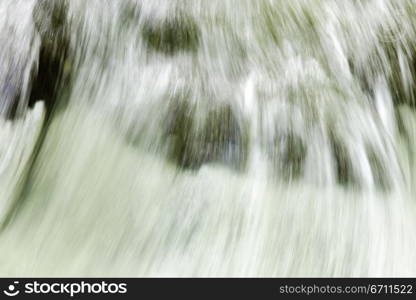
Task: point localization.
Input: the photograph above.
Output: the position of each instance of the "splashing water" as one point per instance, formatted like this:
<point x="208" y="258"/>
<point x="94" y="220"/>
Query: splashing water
<point x="207" y="138"/>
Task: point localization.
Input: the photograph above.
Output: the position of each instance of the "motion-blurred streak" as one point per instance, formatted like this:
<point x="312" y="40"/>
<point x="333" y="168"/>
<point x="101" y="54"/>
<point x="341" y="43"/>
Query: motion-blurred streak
<point x="207" y="138"/>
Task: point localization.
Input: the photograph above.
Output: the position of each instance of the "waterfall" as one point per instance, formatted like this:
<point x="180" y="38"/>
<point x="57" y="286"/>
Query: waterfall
<point x="207" y="138"/>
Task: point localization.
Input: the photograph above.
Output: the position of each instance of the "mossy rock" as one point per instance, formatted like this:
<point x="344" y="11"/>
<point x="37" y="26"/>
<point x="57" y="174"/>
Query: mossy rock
<point x="172" y="35"/>
<point x="292" y="156"/>
<point x="226" y="138"/>
<point x="179" y="129"/>
<point x="217" y="138"/>
<point x="343" y="165"/>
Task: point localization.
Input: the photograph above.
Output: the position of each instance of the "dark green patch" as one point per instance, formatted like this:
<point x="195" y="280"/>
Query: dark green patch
<point x="391" y="43"/>
<point x="225" y="140"/>
<point x="172" y="35"/>
<point x="179" y="129"/>
<point x="218" y="138"/>
<point x="343" y="165"/>
<point x="292" y="155"/>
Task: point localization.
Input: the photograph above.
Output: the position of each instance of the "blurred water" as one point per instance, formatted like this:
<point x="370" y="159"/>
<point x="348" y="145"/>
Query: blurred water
<point x="207" y="138"/>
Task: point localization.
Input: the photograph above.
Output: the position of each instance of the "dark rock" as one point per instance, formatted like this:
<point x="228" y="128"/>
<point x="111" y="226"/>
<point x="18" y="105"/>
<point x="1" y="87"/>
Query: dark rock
<point x="172" y="35"/>
<point x="51" y="72"/>
<point x="292" y="155"/>
<point x="343" y="165"/>
<point x="180" y="128"/>
<point x="219" y="138"/>
<point x="226" y="140"/>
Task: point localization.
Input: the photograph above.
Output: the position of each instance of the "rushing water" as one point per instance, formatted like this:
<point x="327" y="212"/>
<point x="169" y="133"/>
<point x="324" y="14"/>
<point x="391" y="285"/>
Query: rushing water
<point x="207" y="138"/>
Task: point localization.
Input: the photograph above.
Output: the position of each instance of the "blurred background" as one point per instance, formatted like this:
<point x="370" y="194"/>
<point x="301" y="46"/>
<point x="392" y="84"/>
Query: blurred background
<point x="207" y="138"/>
